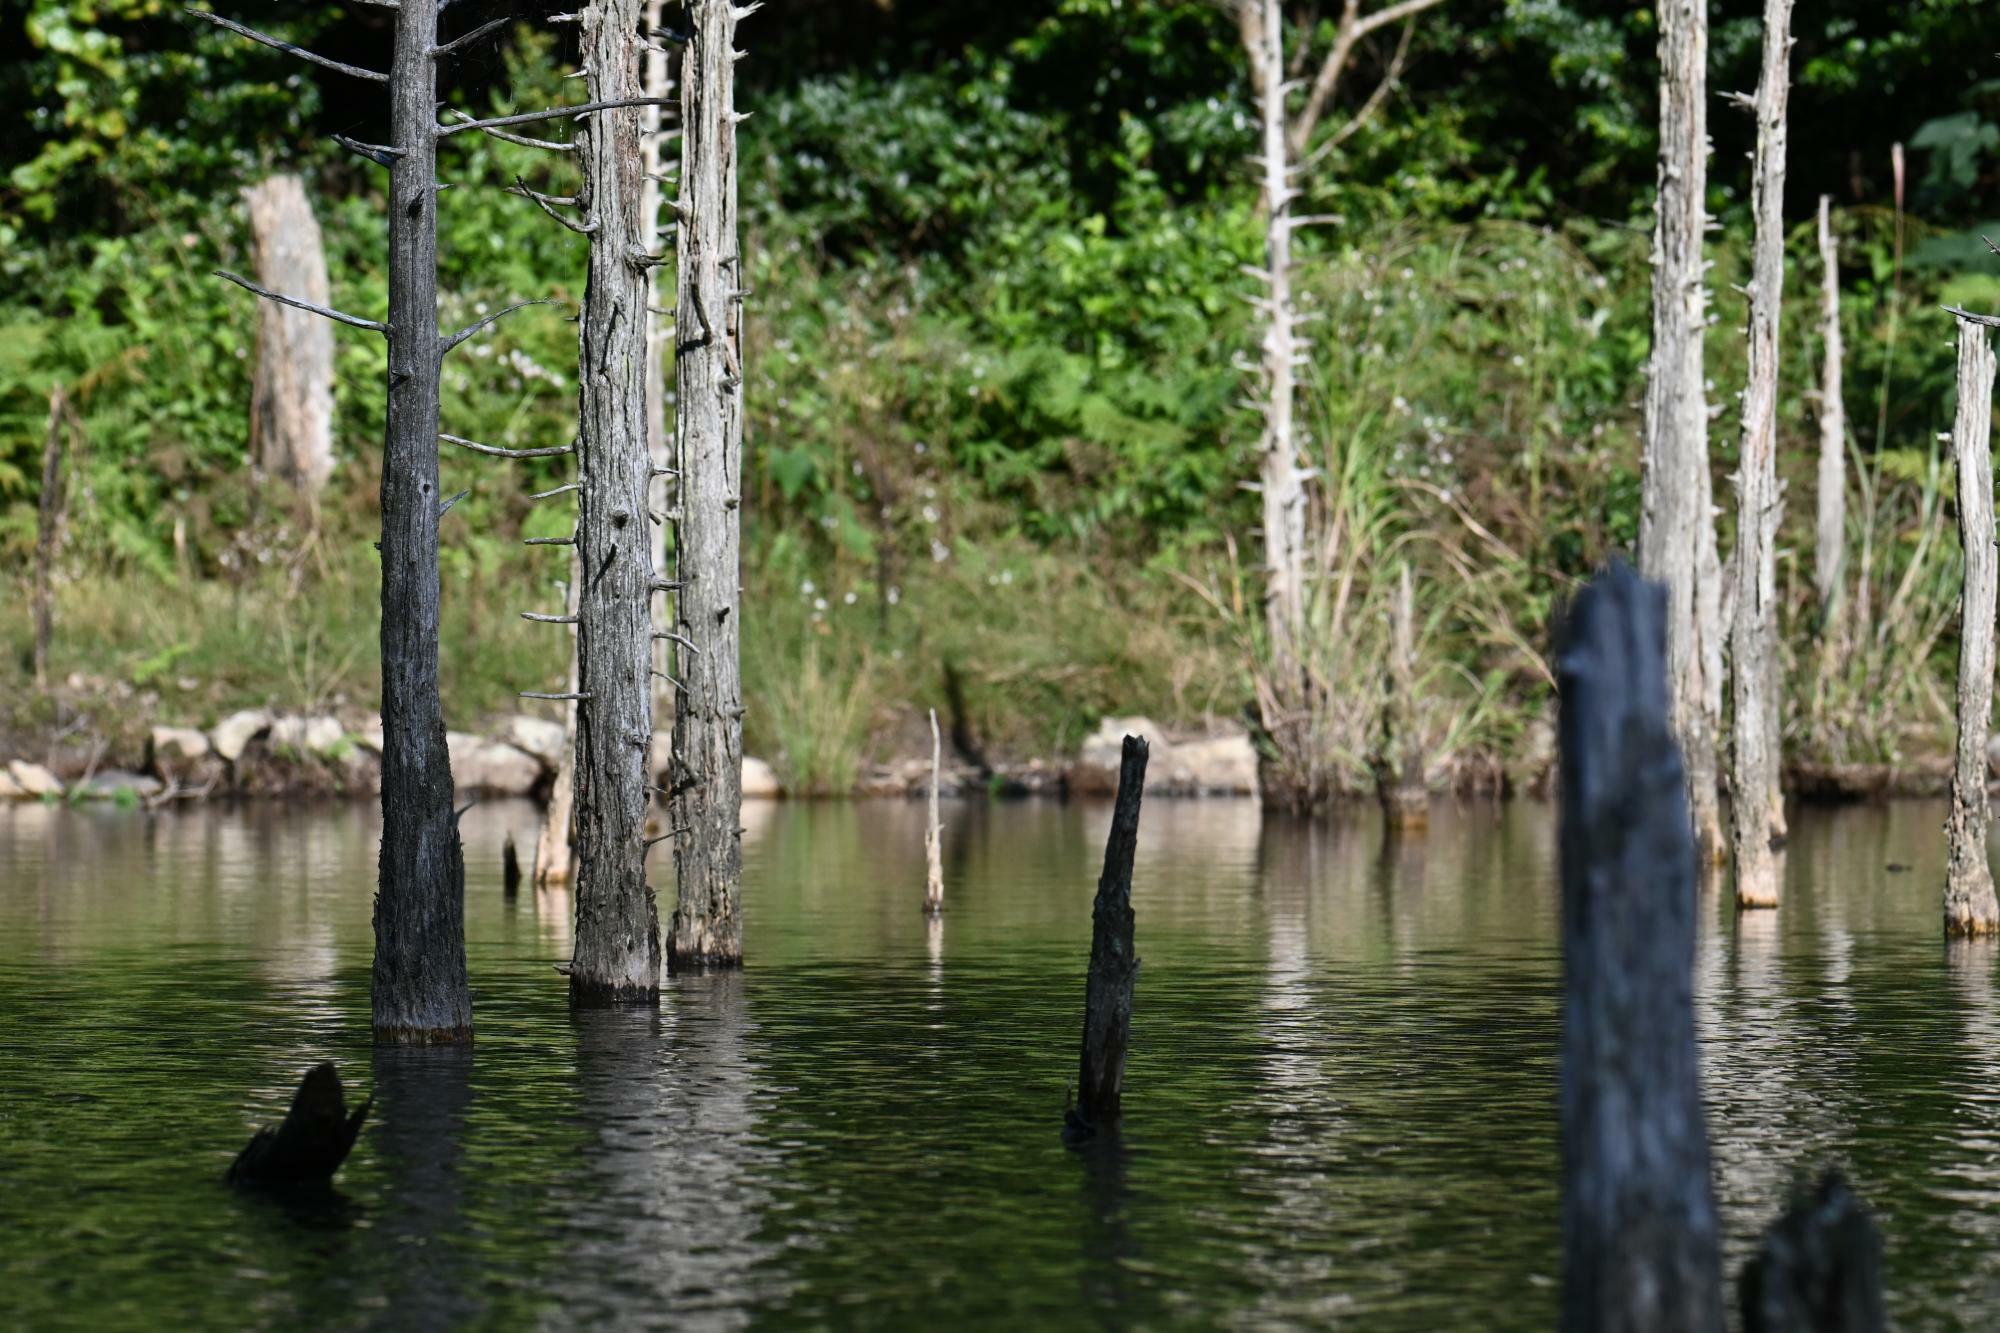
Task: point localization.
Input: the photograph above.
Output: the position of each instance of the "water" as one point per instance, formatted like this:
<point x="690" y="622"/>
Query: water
<point x="1340" y="1100"/>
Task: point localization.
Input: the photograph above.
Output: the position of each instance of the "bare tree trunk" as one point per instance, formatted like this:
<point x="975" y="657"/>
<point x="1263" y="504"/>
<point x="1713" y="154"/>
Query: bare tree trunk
<point x="291" y="394"/>
<point x="1114" y="965"/>
<point x="934" y="832"/>
<point x="48" y="530"/>
<point x="555" y="847"/>
<point x="1640" y="1234"/>
<point x="1400" y="781"/>
<point x="1830" y="534"/>
<point x="659" y="327"/>
<point x="1676" y="517"/>
<point x="706" y="785"/>
<point x="420" y="992"/>
<point x="1755" y="740"/>
<point x="617" y="954"/>
<point x="1969" y="904"/>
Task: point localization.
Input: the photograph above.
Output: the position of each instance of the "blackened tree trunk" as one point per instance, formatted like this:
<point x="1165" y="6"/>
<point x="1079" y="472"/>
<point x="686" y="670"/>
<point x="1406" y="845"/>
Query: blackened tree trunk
<point x="1640" y="1250"/>
<point x="1676" y="519"/>
<point x="706" y="773"/>
<point x="1970" y="907"/>
<point x="420" y="992"/>
<point x="617" y="925"/>
<point x="1114" y="965"/>
<point x="1755" y="740"/>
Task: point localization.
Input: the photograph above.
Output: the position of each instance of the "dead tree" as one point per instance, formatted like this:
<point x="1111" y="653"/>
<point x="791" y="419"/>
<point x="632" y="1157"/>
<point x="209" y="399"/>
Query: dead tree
<point x="1640" y="1247"/>
<point x="314" y="1139"/>
<point x="1755" y="736"/>
<point x="934" y="832"/>
<point x="705" y="783"/>
<point x="1286" y="150"/>
<point x="659" y="235"/>
<point x="1114" y="966"/>
<point x="1830" y="532"/>
<point x="1676" y="512"/>
<point x="1970" y="907"/>
<point x="419" y="986"/>
<point x="1819" y="1268"/>
<point x="1400" y="779"/>
<point x="291" y="391"/>
<point x="555" y="845"/>
<point x="48" y="530"/>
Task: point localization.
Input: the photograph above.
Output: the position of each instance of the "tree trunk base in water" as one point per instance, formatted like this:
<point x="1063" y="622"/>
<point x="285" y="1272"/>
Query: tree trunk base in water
<point x="413" y="1036"/>
<point x="1405" y="809"/>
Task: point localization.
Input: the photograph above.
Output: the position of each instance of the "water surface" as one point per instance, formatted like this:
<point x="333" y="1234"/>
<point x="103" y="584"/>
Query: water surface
<point x="1340" y="1100"/>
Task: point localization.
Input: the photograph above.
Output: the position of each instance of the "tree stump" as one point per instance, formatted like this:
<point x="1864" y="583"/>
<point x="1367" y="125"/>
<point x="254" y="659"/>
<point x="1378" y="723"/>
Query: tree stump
<point x="1114" y="966"/>
<point x="1970" y="907"/>
<point x="291" y="393"/>
<point x="1819" y="1269"/>
<point x="315" y="1138"/>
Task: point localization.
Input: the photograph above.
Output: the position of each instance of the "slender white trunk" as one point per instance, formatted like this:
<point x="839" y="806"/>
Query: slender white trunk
<point x="934" y="831"/>
<point x="291" y="393"/>
<point x="1969" y="904"/>
<point x="1676" y="517"/>
<point x="1830" y="533"/>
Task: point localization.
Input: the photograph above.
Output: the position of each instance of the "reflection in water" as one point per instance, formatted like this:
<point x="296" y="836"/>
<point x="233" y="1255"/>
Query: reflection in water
<point x="1340" y="1098"/>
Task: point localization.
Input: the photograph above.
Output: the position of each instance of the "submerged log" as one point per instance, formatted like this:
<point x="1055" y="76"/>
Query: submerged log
<point x="1114" y="966"/>
<point x="1638" y="1205"/>
<point x="1970" y="907"/>
<point x="315" y="1138"/>
<point x="1819" y="1269"/>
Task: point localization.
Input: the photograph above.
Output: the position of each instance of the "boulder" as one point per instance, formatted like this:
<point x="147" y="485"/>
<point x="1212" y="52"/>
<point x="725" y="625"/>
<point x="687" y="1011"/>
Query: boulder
<point x="183" y="755"/>
<point x="1095" y="772"/>
<point x="760" y="782"/>
<point x="178" y="744"/>
<point x="536" y="735"/>
<point x="233" y="734"/>
<point x="369" y="737"/>
<point x="321" y="736"/>
<point x="112" y="782"/>
<point x="33" y="780"/>
<point x="493" y="767"/>
<point x="1217" y="766"/>
<point x="10" y="790"/>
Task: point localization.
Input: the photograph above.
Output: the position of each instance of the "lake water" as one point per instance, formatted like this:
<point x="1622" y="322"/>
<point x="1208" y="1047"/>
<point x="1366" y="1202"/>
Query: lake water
<point x="1340" y="1102"/>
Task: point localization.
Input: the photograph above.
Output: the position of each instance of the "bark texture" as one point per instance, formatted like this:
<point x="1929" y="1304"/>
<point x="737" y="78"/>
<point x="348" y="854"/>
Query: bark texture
<point x="48" y="527"/>
<point x="934" y="831"/>
<point x="291" y="388"/>
<point x="1969" y="904"/>
<point x="1114" y="966"/>
<point x="420" y="992"/>
<point x="706" y="774"/>
<point x="1755" y="733"/>
<point x="1830" y="530"/>
<point x="659" y="328"/>
<point x="1640" y="1247"/>
<point x="1676" y="515"/>
<point x="617" y="954"/>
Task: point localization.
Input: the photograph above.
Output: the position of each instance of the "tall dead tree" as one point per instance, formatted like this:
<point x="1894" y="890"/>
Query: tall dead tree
<point x="1287" y="149"/>
<point x="1755" y="737"/>
<point x="420" y="993"/>
<point x="291" y="388"/>
<point x="705" y="783"/>
<point x="1830" y="531"/>
<point x="1640" y="1233"/>
<point x="1970" y="907"/>
<point x="555" y="845"/>
<point x="1676" y="512"/>
<point x="659" y="234"/>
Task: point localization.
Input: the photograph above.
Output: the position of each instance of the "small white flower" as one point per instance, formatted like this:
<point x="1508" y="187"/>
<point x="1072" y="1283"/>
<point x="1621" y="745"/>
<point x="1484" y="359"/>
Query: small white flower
<point x="807" y="588"/>
<point x="848" y="599"/>
<point x="939" y="553"/>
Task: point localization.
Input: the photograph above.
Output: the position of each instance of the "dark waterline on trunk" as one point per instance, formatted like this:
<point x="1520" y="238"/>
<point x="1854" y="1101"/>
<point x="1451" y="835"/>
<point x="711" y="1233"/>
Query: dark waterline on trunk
<point x="1341" y="1106"/>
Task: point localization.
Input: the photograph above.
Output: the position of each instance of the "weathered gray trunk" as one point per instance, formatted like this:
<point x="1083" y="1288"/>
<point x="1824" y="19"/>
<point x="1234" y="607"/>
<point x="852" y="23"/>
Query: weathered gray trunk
<point x="1755" y="732"/>
<point x="47" y="530"/>
<point x="1400" y="779"/>
<point x="1114" y="965"/>
<point x="291" y="388"/>
<point x="1640" y="1248"/>
<point x="555" y="846"/>
<point x="659" y="328"/>
<point x="617" y="926"/>
<point x="420" y="992"/>
<point x="706" y="774"/>
<point x="1676" y="515"/>
<point x="1969" y="904"/>
<point x="1830" y="532"/>
<point x="934" y="831"/>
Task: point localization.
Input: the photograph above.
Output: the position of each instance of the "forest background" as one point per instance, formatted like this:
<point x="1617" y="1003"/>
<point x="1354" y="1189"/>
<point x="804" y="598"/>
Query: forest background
<point x="998" y="357"/>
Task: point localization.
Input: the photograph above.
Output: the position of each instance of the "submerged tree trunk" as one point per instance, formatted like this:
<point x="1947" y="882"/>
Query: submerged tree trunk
<point x="1830" y="532"/>
<point x="706" y="775"/>
<point x="1676" y="518"/>
<point x="1755" y="739"/>
<point x="291" y="391"/>
<point x="1970" y="907"/>
<point x="555" y="847"/>
<point x="1819" y="1268"/>
<point x="48" y="527"/>
<point x="1640" y="1235"/>
<point x="934" y="831"/>
<point x="617" y="925"/>
<point x="420" y="992"/>
<point x="1114" y="966"/>
<point x="659" y="328"/>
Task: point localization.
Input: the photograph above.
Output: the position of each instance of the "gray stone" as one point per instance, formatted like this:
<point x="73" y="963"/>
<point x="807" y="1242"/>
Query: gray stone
<point x="179" y="744"/>
<point x="33" y="780"/>
<point x="760" y="782"/>
<point x="493" y="767"/>
<point x="536" y="735"/>
<point x="1218" y="766"/>
<point x="321" y="736"/>
<point x="1095" y="772"/>
<point x="233" y="734"/>
<point x="10" y="790"/>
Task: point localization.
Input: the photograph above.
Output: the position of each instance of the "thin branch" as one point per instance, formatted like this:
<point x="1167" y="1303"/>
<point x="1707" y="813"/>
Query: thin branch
<point x="445" y="508"/>
<point x="455" y="339"/>
<point x="553" y="145"/>
<point x="469" y="38"/>
<point x="1395" y="13"/>
<point x="541" y="619"/>
<point x="1353" y="27"/>
<point x="548" y="204"/>
<point x="584" y="696"/>
<point x="381" y="154"/>
<point x="281" y="45"/>
<point x="1376" y="98"/>
<point x="544" y="495"/>
<point x="294" y="302"/>
<point x="1990" y="321"/>
<point x="496" y="452"/>
<point x="557" y="113"/>
<point x="680" y="639"/>
<point x="548" y="541"/>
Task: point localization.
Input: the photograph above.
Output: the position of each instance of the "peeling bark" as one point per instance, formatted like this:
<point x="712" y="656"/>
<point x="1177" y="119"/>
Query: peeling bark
<point x="1970" y="907"/>
<point x="1830" y="532"/>
<point x="706" y="774"/>
<point x="617" y="954"/>
<point x="1676" y="518"/>
<point x="1756" y="743"/>
<point x="291" y="391"/>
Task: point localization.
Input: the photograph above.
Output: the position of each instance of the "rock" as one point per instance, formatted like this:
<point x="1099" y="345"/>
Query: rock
<point x="1095" y="772"/>
<point x="1222" y="765"/>
<point x="33" y="780"/>
<point x="10" y="790"/>
<point x="760" y="782"/>
<point x="369" y="737"/>
<point x="110" y="783"/>
<point x="1218" y="766"/>
<point x="536" y="735"/>
<point x="493" y="767"/>
<point x="178" y="744"/>
<point x="183" y="755"/>
<point x="321" y="736"/>
<point x="233" y="734"/>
